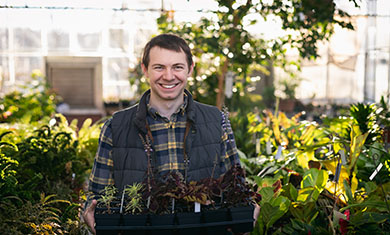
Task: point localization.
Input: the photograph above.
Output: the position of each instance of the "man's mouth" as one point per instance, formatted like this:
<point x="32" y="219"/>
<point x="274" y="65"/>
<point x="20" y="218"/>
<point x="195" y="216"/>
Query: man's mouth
<point x="168" y="86"/>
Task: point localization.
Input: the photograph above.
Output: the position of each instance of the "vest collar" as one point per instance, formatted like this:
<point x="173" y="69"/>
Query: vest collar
<point x="190" y="107"/>
<point x="140" y="116"/>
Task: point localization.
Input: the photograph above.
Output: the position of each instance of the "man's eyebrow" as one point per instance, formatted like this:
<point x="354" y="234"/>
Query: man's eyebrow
<point x="157" y="64"/>
<point x="179" y="64"/>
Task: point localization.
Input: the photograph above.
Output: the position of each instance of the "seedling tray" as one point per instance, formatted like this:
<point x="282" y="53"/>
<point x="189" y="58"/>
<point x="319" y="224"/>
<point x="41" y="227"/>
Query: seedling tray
<point x="238" y="219"/>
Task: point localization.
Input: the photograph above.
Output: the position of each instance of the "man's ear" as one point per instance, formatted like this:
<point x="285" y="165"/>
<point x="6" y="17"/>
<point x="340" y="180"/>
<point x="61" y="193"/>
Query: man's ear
<point x="191" y="69"/>
<point x="144" y="70"/>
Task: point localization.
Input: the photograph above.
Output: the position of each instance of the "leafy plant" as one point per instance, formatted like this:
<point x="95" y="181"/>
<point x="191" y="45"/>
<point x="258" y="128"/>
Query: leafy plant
<point x="46" y="156"/>
<point x="323" y="172"/>
<point x="286" y="87"/>
<point x="107" y="196"/>
<point x="383" y="113"/>
<point x="230" y="190"/>
<point x="365" y="117"/>
<point x="27" y="217"/>
<point x="223" y="43"/>
<point x="133" y="202"/>
<point x="30" y="104"/>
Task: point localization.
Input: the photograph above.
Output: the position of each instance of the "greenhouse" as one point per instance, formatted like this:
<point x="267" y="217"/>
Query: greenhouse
<point x="195" y="117"/>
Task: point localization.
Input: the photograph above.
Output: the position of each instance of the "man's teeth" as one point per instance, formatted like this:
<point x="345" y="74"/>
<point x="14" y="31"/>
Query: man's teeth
<point x="169" y="86"/>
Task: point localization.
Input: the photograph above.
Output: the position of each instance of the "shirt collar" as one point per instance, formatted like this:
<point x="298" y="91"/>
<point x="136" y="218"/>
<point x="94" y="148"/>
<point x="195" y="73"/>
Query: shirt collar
<point x="154" y="113"/>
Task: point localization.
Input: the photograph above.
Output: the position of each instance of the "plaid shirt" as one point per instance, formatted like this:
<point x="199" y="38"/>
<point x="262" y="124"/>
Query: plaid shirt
<point x="168" y="136"/>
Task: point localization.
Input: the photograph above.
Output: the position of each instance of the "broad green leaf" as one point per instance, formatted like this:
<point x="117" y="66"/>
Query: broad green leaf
<point x="331" y="165"/>
<point x="314" y="178"/>
<point x="267" y="194"/>
<point x="348" y="192"/>
<point x="379" y="205"/>
<point x="314" y="181"/>
<point x="290" y="192"/>
<point x="303" y="158"/>
<point x="305" y="194"/>
<point x="305" y="212"/>
<point x="271" y="212"/>
<point x="357" y="142"/>
<point x="369" y="218"/>
<point x="370" y="186"/>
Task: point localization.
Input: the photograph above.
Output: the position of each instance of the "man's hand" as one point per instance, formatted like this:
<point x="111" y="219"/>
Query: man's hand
<point x="89" y="216"/>
<point x="256" y="213"/>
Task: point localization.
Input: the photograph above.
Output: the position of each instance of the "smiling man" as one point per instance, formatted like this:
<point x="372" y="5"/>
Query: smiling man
<point x="167" y="129"/>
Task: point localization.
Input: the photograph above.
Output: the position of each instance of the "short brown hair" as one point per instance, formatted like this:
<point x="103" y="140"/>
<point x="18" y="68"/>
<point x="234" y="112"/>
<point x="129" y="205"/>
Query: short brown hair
<point x="169" y="42"/>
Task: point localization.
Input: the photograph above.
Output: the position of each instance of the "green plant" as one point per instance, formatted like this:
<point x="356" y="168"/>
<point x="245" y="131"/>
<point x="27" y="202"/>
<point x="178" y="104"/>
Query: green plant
<point x="107" y="196"/>
<point x="30" y="104"/>
<point x="45" y="156"/>
<point x="383" y="113"/>
<point x="286" y="87"/>
<point x="134" y="198"/>
<point x="323" y="171"/>
<point x="223" y="43"/>
<point x="365" y="117"/>
<point x="27" y="217"/>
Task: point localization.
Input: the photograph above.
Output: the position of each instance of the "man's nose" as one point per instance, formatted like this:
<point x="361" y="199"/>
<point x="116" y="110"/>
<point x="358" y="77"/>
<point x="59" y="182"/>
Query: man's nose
<point x="168" y="74"/>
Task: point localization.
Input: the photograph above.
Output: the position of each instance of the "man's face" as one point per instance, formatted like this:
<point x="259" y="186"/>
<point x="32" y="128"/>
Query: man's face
<point x="167" y="72"/>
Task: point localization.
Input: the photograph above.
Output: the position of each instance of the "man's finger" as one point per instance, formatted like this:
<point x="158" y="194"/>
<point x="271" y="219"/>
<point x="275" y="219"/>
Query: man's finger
<point x="93" y="205"/>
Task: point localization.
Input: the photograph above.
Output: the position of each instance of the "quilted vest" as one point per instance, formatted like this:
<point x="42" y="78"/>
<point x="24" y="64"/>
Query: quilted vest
<point x="202" y="144"/>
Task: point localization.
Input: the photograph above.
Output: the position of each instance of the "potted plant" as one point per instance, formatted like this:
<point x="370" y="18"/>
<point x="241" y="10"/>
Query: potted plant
<point x="286" y="93"/>
<point x="107" y="210"/>
<point x="169" y="205"/>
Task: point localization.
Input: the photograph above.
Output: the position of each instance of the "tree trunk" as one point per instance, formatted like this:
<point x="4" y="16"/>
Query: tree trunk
<point x="221" y="84"/>
<point x="225" y="66"/>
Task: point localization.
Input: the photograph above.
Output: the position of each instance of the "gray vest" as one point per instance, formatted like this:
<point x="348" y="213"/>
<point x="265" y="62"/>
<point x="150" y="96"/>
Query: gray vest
<point x="202" y="145"/>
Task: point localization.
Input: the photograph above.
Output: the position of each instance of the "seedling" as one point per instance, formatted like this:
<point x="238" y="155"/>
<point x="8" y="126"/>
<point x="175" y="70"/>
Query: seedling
<point x="134" y="203"/>
<point x="107" y="196"/>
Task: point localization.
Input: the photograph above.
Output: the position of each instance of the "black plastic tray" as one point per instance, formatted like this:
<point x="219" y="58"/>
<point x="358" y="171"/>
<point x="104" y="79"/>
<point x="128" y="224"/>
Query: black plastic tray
<point x="238" y="219"/>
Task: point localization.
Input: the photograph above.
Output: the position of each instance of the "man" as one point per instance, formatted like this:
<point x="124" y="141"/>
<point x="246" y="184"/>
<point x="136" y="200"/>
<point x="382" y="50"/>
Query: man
<point x="176" y="132"/>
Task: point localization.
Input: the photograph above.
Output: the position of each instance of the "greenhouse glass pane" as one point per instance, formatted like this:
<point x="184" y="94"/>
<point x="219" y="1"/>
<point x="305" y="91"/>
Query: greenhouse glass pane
<point x="141" y="38"/>
<point x="89" y="41"/>
<point x="58" y="39"/>
<point x="3" y="39"/>
<point x="24" y="65"/>
<point x="119" y="38"/>
<point x="4" y="69"/>
<point x="118" y="69"/>
<point x="27" y="39"/>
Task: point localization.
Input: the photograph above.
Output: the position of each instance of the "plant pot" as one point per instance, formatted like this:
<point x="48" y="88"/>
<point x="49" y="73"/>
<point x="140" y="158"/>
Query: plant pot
<point x="187" y="221"/>
<point x="135" y="220"/>
<point x="164" y="222"/>
<point x="102" y="217"/>
<point x="216" y="220"/>
<point x="106" y="223"/>
<point x="239" y="219"/>
<point x="188" y="218"/>
<point x="287" y="105"/>
<point x="242" y="218"/>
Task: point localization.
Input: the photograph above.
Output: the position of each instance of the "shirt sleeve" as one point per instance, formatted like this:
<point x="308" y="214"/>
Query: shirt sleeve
<point x="228" y="146"/>
<point x="102" y="170"/>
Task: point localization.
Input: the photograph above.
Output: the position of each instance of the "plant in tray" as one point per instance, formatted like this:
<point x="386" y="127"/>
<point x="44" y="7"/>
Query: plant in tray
<point x="169" y="203"/>
<point x="107" y="196"/>
<point x="134" y="198"/>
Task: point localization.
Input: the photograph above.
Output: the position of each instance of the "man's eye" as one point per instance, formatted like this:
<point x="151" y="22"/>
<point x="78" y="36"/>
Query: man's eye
<point x="157" y="67"/>
<point x="178" y="67"/>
